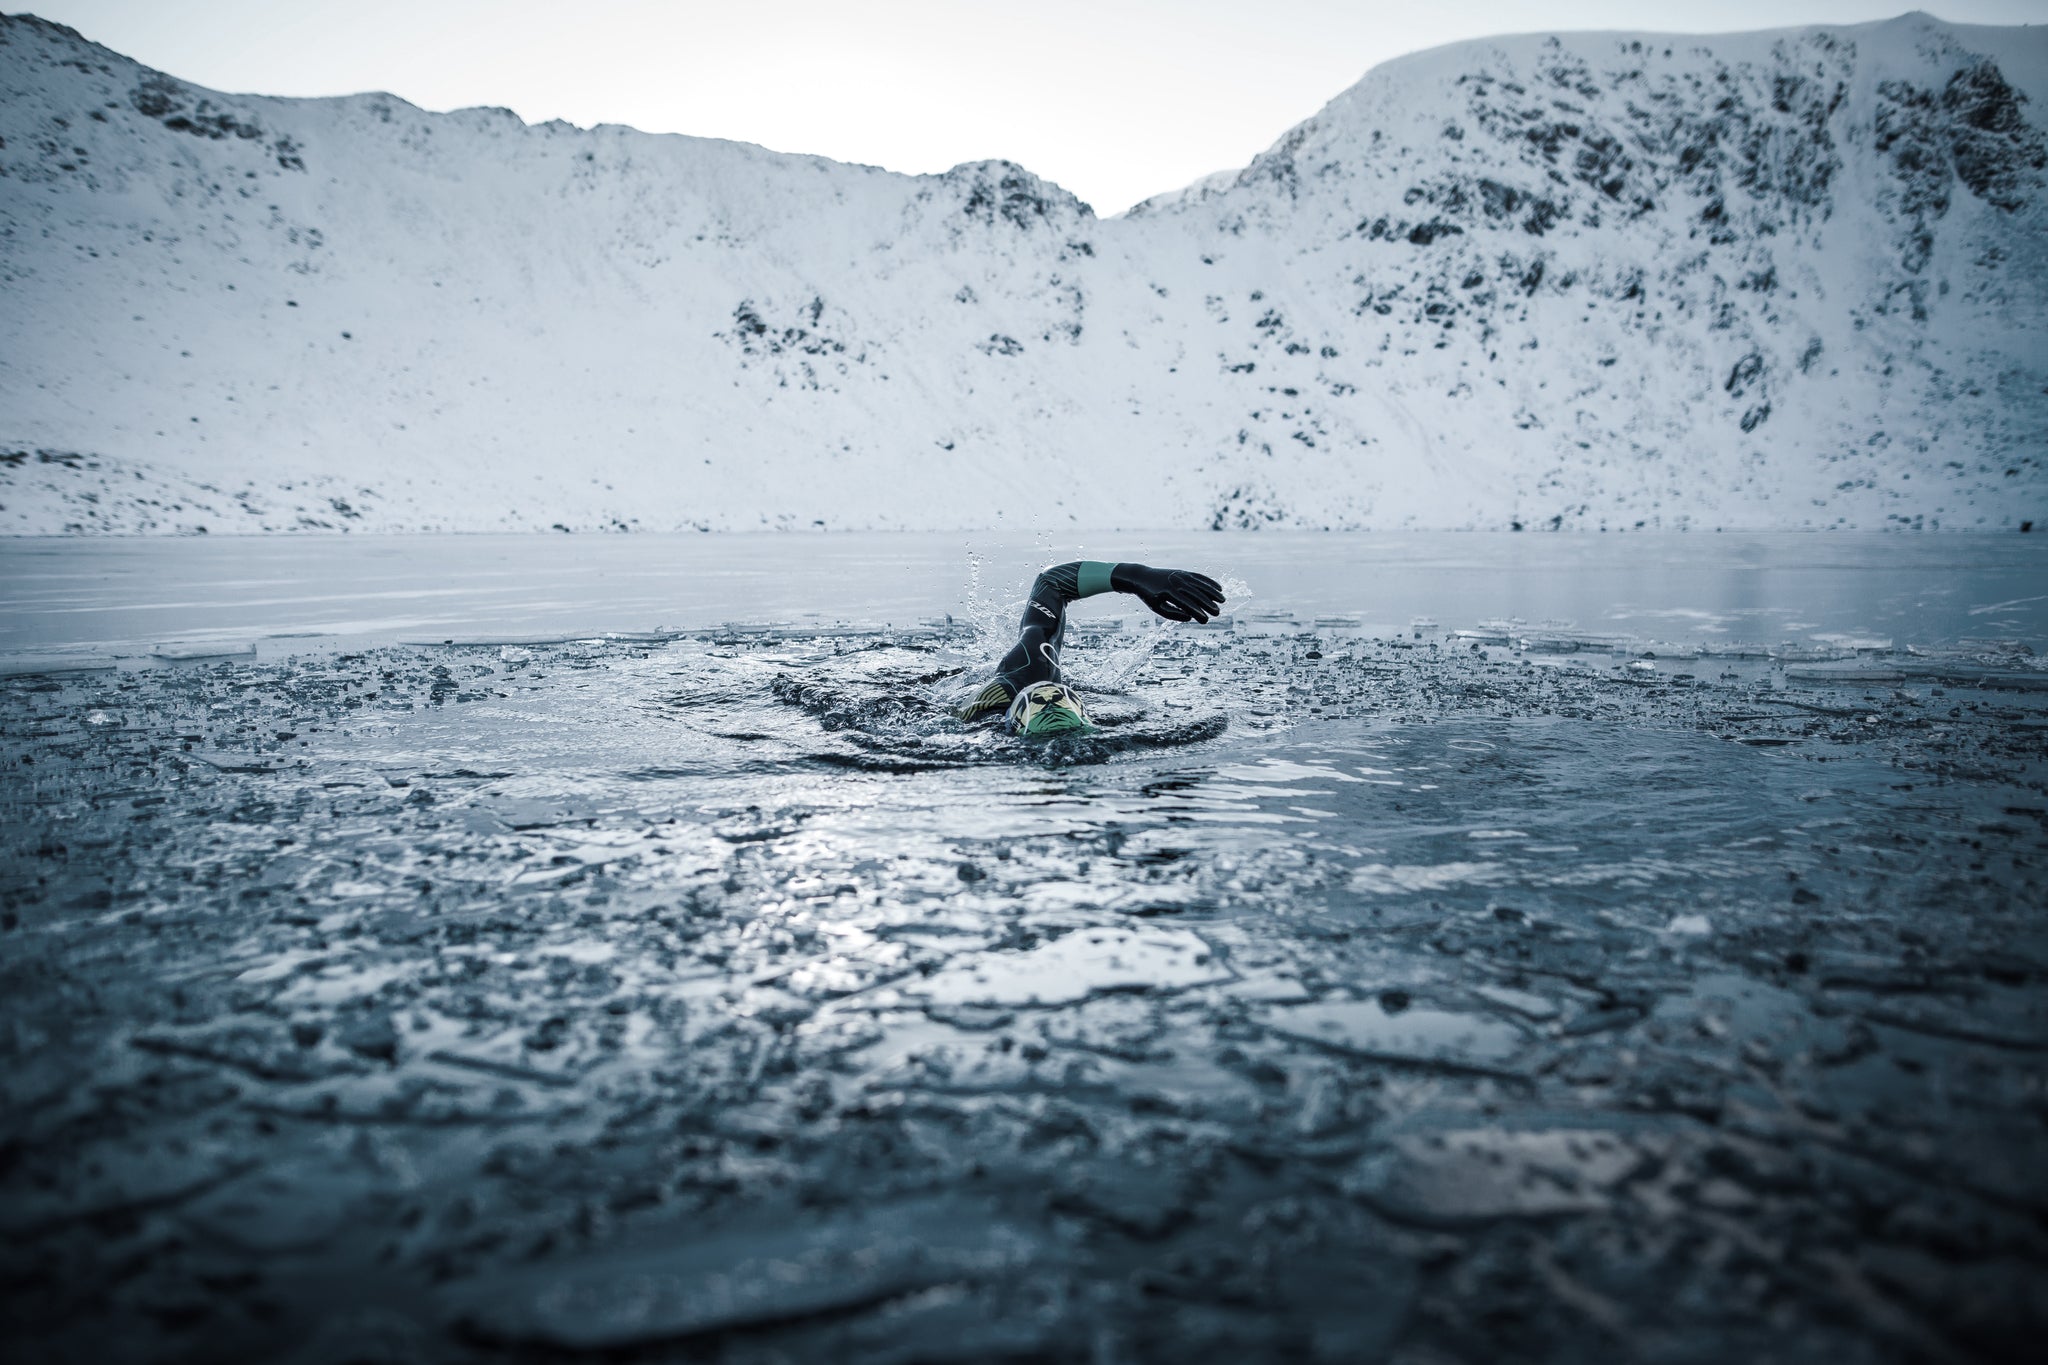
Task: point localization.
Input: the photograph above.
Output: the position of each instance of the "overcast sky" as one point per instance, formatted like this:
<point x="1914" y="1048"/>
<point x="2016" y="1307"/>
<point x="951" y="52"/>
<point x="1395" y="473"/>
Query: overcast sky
<point x="1114" y="99"/>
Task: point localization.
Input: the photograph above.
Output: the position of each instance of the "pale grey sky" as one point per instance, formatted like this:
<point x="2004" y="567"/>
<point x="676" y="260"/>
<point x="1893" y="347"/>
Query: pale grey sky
<point x="1114" y="99"/>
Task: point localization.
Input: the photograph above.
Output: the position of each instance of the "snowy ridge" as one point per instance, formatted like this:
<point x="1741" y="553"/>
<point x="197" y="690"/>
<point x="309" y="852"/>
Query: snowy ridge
<point x="1769" y="280"/>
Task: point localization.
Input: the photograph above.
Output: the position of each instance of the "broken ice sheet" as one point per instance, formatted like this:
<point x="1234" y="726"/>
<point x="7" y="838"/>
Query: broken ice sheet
<point x="1524" y="1003"/>
<point x="1126" y="1027"/>
<point x="718" y="998"/>
<point x="694" y="1280"/>
<point x="1446" y="1179"/>
<point x="1076" y="966"/>
<point x="1416" y="1034"/>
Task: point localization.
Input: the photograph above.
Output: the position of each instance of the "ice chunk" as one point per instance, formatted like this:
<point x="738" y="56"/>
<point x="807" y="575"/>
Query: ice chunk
<point x="28" y="665"/>
<point x="495" y="640"/>
<point x="1477" y="1175"/>
<point x="1862" y="644"/>
<point x="204" y="649"/>
<point x="1366" y="1028"/>
<point x="699" y="1280"/>
<point x="1843" y="673"/>
<point x="1076" y="966"/>
<point x="1524" y="1003"/>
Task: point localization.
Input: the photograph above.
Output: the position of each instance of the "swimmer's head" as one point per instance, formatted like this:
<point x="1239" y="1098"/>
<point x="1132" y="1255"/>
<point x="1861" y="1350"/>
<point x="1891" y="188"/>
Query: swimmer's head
<point x="1045" y="709"/>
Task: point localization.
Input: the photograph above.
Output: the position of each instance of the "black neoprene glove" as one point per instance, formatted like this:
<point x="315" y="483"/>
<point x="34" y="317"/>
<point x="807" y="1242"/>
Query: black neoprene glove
<point x="1176" y="594"/>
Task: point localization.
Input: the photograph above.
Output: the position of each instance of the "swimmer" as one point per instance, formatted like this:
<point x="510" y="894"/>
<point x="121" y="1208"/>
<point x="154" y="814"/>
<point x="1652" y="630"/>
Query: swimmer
<point x="1027" y="687"/>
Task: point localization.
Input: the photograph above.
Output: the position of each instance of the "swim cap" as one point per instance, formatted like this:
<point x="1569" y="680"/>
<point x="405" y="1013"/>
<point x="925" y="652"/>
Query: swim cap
<point x="1043" y="710"/>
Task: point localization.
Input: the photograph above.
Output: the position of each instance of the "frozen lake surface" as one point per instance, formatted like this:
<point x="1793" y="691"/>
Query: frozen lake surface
<point x="71" y="594"/>
<point x="1363" y="989"/>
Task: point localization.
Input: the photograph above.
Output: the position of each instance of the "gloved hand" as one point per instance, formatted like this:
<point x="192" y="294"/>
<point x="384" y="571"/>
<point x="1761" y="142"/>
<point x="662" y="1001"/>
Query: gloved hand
<point x="1176" y="594"/>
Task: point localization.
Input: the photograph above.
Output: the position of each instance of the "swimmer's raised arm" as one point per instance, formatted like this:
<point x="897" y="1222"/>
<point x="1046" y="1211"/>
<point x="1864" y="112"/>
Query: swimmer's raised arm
<point x="1176" y="594"/>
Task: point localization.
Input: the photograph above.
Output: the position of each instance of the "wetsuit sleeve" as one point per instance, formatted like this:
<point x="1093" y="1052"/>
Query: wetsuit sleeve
<point x="1035" y="658"/>
<point x="1175" y="594"/>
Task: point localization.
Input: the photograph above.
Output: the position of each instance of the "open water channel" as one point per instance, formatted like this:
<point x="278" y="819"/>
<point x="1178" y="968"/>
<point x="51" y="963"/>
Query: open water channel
<point x="505" y="948"/>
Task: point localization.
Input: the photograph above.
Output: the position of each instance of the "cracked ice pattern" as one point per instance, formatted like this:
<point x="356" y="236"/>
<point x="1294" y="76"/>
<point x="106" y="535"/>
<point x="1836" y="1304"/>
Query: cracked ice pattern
<point x="625" y="997"/>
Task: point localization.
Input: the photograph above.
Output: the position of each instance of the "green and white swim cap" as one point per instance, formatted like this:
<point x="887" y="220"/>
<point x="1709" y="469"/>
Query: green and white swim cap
<point x="1045" y="709"/>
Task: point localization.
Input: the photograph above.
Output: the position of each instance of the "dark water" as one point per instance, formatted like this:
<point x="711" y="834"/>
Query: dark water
<point x="1355" y="996"/>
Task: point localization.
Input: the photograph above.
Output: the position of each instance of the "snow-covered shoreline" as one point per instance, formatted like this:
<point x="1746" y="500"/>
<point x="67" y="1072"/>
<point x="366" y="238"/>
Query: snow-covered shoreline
<point x="1761" y="281"/>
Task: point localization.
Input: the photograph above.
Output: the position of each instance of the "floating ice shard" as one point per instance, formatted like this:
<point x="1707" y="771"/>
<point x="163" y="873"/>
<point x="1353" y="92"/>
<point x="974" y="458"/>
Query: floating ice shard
<point x="204" y="649"/>
<point x="1446" y="1179"/>
<point x="496" y="640"/>
<point x="29" y="665"/>
<point x="687" y="1284"/>
<point x="1969" y="673"/>
<point x="1843" y="673"/>
<point x="1082" y="963"/>
<point x="1418" y="1034"/>
<point x="833" y="632"/>
<point x="1106" y="625"/>
<point x="1524" y="1003"/>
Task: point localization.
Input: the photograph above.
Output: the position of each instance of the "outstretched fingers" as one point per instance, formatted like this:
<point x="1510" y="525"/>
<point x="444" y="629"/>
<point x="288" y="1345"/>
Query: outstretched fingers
<point x="1176" y="594"/>
<point x="1198" y="593"/>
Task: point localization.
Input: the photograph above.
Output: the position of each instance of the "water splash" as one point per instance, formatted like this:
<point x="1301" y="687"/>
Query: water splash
<point x="893" y="708"/>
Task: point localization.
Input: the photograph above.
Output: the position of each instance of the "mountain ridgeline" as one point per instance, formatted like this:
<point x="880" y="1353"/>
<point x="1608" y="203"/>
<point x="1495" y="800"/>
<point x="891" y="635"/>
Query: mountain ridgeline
<point x="1786" y="279"/>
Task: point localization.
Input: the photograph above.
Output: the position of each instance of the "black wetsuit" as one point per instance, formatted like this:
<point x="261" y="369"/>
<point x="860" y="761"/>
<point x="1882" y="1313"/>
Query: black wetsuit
<point x="1175" y="594"/>
<point x="1035" y="658"/>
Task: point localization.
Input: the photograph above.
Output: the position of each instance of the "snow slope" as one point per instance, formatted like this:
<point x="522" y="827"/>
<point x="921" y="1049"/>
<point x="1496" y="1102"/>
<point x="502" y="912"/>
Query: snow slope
<point x="1770" y="280"/>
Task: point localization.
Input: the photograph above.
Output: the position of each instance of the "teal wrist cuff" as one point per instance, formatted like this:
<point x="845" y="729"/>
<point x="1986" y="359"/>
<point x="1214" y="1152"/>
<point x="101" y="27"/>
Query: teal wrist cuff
<point x="1094" y="578"/>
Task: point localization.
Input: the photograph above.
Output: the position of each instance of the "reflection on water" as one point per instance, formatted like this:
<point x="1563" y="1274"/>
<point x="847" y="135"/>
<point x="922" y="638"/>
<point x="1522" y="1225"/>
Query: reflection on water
<point x="1265" y="784"/>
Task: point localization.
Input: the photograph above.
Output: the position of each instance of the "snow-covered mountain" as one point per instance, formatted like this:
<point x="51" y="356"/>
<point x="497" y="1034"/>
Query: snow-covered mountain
<point x="1779" y="279"/>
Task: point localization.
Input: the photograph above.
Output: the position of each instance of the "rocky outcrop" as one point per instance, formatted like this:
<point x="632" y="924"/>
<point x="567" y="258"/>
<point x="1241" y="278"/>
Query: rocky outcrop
<point x="1783" y="279"/>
